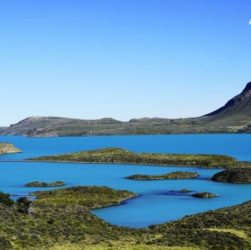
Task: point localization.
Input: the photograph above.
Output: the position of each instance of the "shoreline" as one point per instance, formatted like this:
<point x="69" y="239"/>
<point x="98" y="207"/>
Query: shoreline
<point x="112" y="163"/>
<point x="121" y="163"/>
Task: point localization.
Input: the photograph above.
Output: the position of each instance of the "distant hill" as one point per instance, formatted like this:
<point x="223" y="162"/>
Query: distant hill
<point x="234" y="117"/>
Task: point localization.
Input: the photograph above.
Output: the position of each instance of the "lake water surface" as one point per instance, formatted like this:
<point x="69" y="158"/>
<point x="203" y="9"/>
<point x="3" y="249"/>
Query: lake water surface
<point x="155" y="204"/>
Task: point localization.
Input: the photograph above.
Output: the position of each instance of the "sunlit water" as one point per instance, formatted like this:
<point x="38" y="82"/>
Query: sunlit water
<point x="155" y="203"/>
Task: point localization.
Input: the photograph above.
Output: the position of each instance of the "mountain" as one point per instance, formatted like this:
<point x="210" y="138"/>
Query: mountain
<point x="236" y="114"/>
<point x="234" y="117"/>
<point x="239" y="105"/>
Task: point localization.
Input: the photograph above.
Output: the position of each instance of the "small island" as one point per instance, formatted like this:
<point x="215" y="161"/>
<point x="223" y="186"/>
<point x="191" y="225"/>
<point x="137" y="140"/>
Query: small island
<point x="91" y="197"/>
<point x="204" y="195"/>
<point x="168" y="176"/>
<point x="8" y="148"/>
<point x="184" y="190"/>
<point x="120" y="155"/>
<point x="45" y="184"/>
<point x="238" y="176"/>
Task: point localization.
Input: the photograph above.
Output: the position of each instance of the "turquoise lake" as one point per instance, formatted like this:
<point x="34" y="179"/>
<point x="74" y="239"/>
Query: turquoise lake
<point x="155" y="204"/>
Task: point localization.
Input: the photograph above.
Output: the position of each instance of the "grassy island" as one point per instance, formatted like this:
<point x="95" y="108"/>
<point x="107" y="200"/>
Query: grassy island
<point x="89" y="197"/>
<point x="45" y="184"/>
<point x="61" y="219"/>
<point x="168" y="176"/>
<point x="238" y="176"/>
<point x="8" y="148"/>
<point x="118" y="155"/>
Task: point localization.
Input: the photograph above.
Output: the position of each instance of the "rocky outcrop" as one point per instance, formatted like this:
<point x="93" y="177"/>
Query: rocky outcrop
<point x="204" y="195"/>
<point x="236" y="103"/>
<point x="238" y="175"/>
<point x="8" y="148"/>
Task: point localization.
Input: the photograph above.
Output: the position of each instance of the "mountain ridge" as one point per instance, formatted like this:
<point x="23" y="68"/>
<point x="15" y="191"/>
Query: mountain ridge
<point x="244" y="95"/>
<point x="233" y="117"/>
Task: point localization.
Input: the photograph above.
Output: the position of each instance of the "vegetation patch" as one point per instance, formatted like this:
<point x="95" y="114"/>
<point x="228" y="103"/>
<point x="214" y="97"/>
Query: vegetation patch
<point x="6" y="200"/>
<point x="89" y="197"/>
<point x="61" y="219"/>
<point x="168" y="176"/>
<point x="118" y="155"/>
<point x="45" y="184"/>
<point x="115" y="246"/>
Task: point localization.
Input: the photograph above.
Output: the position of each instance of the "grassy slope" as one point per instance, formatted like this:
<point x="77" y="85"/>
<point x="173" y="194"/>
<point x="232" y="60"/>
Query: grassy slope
<point x="114" y="246"/>
<point x="62" y="216"/>
<point x="62" y="221"/>
<point x="118" y="155"/>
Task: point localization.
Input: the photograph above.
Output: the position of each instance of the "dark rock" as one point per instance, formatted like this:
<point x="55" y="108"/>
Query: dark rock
<point x="241" y="176"/>
<point x="184" y="190"/>
<point x="204" y="195"/>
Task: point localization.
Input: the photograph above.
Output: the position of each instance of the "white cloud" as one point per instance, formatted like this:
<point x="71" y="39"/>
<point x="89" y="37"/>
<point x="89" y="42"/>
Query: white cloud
<point x="249" y="21"/>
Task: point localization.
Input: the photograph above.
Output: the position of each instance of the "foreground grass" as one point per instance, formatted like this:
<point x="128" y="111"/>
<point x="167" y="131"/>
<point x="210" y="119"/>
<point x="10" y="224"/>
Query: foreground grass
<point x="62" y="220"/>
<point x="115" y="246"/>
<point x="118" y="155"/>
<point x="236" y="232"/>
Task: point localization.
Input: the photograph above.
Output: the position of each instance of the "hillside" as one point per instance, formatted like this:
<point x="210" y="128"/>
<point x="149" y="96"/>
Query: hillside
<point x="234" y="117"/>
<point x="236" y="112"/>
<point x="61" y="219"/>
<point x="239" y="105"/>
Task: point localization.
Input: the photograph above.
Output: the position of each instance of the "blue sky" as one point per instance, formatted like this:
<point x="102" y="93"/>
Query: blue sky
<point x="121" y="58"/>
